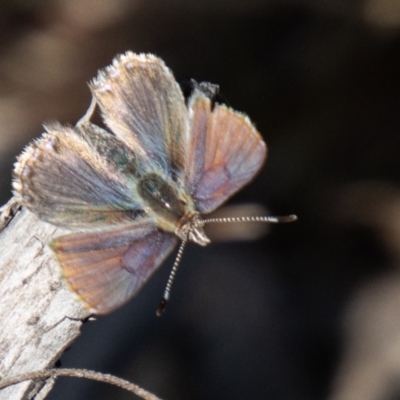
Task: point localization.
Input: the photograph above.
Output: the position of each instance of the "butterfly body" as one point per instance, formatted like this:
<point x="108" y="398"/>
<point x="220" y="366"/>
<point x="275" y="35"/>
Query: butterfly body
<point x="128" y="193"/>
<point x="173" y="211"/>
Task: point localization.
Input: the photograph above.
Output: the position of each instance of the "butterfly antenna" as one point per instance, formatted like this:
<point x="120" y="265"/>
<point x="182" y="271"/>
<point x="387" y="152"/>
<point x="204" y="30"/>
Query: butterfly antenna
<point x="274" y="220"/>
<point x="171" y="278"/>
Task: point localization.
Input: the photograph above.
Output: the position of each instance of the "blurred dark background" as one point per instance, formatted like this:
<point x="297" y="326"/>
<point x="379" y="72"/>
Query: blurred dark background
<point x="309" y="311"/>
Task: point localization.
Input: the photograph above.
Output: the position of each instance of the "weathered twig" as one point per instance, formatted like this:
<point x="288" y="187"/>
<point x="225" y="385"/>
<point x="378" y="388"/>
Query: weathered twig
<point x="39" y="317"/>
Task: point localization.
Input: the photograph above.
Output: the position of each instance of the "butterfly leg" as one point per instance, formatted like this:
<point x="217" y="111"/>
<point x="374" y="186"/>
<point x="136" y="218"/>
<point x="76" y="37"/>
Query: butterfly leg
<point x="88" y="114"/>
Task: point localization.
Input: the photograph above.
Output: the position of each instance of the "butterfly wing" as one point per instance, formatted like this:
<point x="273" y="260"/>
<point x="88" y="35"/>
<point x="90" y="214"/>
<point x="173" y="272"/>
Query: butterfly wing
<point x="143" y="105"/>
<point x="225" y="152"/>
<point x="107" y="267"/>
<point x="65" y="180"/>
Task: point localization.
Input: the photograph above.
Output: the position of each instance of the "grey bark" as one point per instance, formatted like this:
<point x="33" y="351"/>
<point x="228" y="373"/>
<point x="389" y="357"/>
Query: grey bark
<point x="39" y="316"/>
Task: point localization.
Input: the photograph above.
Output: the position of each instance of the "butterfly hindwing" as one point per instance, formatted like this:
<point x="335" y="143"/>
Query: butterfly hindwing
<point x="107" y="267"/>
<point x="225" y="152"/>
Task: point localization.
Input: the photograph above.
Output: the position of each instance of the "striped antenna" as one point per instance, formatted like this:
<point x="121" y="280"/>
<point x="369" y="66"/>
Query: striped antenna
<point x="171" y="277"/>
<point x="274" y="220"/>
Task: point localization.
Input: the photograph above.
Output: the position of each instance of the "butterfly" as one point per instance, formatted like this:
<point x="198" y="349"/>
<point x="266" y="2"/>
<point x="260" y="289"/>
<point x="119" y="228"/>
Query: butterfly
<point x="130" y="192"/>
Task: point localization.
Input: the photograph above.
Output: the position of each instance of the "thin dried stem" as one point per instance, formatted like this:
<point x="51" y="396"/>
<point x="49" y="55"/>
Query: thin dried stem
<point x="80" y="373"/>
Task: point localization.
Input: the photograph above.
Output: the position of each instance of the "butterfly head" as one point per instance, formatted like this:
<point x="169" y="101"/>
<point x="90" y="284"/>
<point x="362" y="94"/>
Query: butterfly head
<point x="190" y="227"/>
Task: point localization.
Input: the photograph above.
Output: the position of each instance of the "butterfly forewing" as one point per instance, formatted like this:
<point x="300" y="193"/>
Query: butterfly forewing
<point x="144" y="106"/>
<point x="62" y="178"/>
<point x="225" y="152"/>
<point x="106" y="268"/>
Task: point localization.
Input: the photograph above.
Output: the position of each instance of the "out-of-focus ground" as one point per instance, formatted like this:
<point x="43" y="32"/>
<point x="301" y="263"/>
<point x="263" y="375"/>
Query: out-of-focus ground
<point x="311" y="310"/>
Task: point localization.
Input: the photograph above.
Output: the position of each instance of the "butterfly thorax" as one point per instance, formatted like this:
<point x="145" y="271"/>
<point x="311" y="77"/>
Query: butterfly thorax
<point x="173" y="209"/>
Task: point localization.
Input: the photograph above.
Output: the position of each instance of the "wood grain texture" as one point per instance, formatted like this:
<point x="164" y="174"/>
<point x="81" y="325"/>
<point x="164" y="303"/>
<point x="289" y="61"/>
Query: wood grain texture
<point x="39" y="316"/>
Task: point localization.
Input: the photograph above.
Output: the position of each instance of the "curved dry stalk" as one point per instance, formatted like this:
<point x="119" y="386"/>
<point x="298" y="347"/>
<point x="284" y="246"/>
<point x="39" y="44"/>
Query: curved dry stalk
<point x="80" y="373"/>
